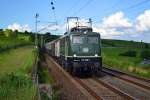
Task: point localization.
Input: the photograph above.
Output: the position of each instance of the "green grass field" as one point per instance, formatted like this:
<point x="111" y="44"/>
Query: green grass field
<point x="15" y="79"/>
<point x="128" y="64"/>
<point x="123" y="43"/>
<point x="16" y="59"/>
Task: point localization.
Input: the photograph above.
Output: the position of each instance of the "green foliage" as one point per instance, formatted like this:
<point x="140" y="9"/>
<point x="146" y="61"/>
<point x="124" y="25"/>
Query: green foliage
<point x="49" y="37"/>
<point x="56" y="95"/>
<point x="44" y="96"/>
<point x="1" y="33"/>
<point x="15" y="80"/>
<point x="147" y="46"/>
<point x="41" y="74"/>
<point x="46" y="78"/>
<point x="10" y="39"/>
<point x="123" y="43"/>
<point x="145" y="54"/>
<point x="10" y="33"/>
<point x="15" y="60"/>
<point x="128" y="64"/>
<point x="107" y="43"/>
<point x="130" y="53"/>
<point x="16" y="86"/>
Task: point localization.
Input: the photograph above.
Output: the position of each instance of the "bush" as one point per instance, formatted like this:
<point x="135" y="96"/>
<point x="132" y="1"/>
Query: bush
<point x="129" y="53"/>
<point x="147" y="46"/>
<point x="145" y="54"/>
<point x="16" y="87"/>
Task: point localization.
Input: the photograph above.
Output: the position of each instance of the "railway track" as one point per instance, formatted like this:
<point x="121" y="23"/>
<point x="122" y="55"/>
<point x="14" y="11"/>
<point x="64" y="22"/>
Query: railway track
<point x="88" y="89"/>
<point x="98" y="88"/>
<point x="114" y="89"/>
<point x="141" y="82"/>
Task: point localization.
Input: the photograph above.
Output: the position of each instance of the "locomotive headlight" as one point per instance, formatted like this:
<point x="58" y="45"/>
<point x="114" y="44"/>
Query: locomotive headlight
<point x="74" y="55"/>
<point x="96" y="55"/>
<point x="85" y="32"/>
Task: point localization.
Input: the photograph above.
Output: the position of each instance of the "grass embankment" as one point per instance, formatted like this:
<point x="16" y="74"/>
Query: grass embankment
<point x="112" y="57"/>
<point x="15" y="79"/>
<point x="46" y="78"/>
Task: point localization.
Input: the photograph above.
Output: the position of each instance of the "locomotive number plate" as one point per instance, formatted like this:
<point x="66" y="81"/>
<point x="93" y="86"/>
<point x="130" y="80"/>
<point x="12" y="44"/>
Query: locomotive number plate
<point x="85" y="49"/>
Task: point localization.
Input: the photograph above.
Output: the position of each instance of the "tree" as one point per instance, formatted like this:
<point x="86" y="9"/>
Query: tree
<point x="48" y="34"/>
<point x="1" y="30"/>
<point x="9" y="33"/>
<point x="26" y="32"/>
<point x="146" y="45"/>
<point x="145" y="54"/>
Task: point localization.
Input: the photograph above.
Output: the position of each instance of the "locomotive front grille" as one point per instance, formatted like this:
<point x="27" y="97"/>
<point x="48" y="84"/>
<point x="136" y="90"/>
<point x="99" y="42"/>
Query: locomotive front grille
<point x="86" y="59"/>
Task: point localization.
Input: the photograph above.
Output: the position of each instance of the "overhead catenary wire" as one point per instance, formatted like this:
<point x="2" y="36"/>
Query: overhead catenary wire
<point x="125" y="9"/>
<point x="50" y="25"/>
<point x="75" y="4"/>
<point x="135" y="5"/>
<point x="81" y="8"/>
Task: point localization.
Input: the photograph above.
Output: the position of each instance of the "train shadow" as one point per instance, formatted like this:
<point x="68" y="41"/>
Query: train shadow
<point x="89" y="75"/>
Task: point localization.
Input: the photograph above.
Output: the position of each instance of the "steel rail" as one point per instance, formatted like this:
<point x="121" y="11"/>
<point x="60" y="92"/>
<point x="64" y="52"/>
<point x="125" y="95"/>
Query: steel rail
<point x="83" y="85"/>
<point x="114" y="89"/>
<point x="88" y="89"/>
<point x="119" y="75"/>
<point x="124" y="73"/>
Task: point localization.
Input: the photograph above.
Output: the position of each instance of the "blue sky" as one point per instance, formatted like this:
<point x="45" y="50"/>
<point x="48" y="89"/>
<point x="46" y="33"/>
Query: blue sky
<point x="22" y="12"/>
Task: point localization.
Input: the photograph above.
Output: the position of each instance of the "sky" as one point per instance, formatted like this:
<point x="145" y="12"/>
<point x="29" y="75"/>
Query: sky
<point x="113" y="19"/>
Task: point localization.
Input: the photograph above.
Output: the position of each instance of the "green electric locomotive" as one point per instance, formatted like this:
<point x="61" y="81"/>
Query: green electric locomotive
<point x="78" y="51"/>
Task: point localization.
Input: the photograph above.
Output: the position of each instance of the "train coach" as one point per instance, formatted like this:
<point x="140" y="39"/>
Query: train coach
<point x="78" y="51"/>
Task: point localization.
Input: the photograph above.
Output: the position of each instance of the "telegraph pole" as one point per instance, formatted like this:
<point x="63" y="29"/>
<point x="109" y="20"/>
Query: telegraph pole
<point x="36" y="31"/>
<point x="36" y="45"/>
<point x="90" y="22"/>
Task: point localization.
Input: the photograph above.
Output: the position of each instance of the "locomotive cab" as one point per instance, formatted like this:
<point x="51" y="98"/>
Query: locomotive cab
<point x="86" y="51"/>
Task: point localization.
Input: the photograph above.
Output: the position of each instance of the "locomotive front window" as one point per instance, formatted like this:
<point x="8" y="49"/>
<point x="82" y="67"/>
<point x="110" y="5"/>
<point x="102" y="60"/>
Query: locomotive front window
<point x="92" y="39"/>
<point x="78" y="39"/>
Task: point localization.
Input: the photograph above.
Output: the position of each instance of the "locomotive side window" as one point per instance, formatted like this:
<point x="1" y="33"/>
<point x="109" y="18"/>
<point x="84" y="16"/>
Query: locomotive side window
<point x="92" y="39"/>
<point x="78" y="39"/>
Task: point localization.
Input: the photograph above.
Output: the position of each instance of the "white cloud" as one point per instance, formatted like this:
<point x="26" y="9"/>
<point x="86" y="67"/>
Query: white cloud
<point x="114" y="25"/>
<point x="107" y="33"/>
<point x="108" y="28"/>
<point x="26" y="28"/>
<point x="72" y="23"/>
<point x="117" y="20"/>
<point x="14" y="27"/>
<point x="143" y="22"/>
<point x="118" y="26"/>
<point x="20" y="28"/>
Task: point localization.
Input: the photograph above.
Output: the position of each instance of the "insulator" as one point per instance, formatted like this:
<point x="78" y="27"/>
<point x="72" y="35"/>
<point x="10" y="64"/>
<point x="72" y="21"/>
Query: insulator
<point x="90" y="19"/>
<point x="52" y="3"/>
<point x="53" y="8"/>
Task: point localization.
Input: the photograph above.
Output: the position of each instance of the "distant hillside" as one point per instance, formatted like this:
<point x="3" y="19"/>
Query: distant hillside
<point x="10" y="39"/>
<point x="110" y="42"/>
<point x="124" y="43"/>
